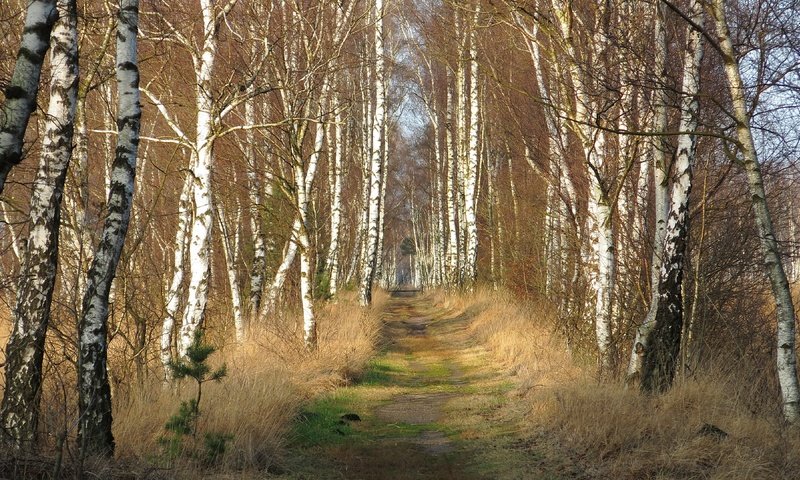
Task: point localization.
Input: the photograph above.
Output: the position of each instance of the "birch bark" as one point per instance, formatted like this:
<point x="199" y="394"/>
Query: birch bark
<point x="25" y="349"/>
<point x="786" y="357"/>
<point x="470" y="183"/>
<point x="664" y="339"/>
<point x="230" y="251"/>
<point x="335" y="167"/>
<point x="21" y="92"/>
<point x="304" y="181"/>
<point x="200" y="172"/>
<point x="661" y="194"/>
<point x="451" y="160"/>
<point x="94" y="424"/>
<point x="256" y="218"/>
<point x="600" y="257"/>
<point x="175" y="291"/>
<point x="376" y="164"/>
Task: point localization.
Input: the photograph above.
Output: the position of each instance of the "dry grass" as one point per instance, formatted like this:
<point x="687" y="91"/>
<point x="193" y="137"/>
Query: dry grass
<point x="269" y="378"/>
<point x="614" y="432"/>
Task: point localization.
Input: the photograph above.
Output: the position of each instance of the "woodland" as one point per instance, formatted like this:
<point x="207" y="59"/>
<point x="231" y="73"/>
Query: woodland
<point x="220" y="218"/>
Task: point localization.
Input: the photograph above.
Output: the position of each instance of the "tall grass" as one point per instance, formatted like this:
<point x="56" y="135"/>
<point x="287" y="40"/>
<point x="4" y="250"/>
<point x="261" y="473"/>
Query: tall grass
<point x="722" y="422"/>
<point x="270" y="376"/>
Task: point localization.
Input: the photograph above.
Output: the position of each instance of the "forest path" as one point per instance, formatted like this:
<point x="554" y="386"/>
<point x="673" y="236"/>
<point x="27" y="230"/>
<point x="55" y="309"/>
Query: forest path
<point x="432" y="405"/>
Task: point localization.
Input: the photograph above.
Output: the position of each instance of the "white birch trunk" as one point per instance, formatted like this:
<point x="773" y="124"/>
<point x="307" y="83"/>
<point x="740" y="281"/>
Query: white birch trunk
<point x="20" y="94"/>
<point x="200" y="235"/>
<point x="174" y="293"/>
<point x="786" y="356"/>
<point x="379" y="255"/>
<point x="661" y="194"/>
<point x="336" y="202"/>
<point x="376" y="164"/>
<point x="451" y="154"/>
<point x="230" y="250"/>
<point x="603" y="260"/>
<point x="94" y="425"/>
<point x="256" y="219"/>
<point x="304" y="181"/>
<point x="25" y="349"/>
<point x="306" y="291"/>
<point x="439" y="212"/>
<point x="663" y="341"/>
<point x="470" y="183"/>
<point x="461" y="156"/>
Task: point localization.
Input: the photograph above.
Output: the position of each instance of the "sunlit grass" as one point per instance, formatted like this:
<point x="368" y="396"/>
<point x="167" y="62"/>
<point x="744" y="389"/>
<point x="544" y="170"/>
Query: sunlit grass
<point x="616" y="432"/>
<point x="271" y="379"/>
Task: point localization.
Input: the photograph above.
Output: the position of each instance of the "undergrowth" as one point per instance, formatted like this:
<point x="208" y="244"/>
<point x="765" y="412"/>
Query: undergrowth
<point x="718" y="423"/>
<point x="248" y="416"/>
<point x="267" y="381"/>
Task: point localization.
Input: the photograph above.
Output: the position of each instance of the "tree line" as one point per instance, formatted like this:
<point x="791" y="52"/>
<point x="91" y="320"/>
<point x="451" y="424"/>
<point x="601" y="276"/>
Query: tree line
<point x="587" y="125"/>
<point x="242" y="104"/>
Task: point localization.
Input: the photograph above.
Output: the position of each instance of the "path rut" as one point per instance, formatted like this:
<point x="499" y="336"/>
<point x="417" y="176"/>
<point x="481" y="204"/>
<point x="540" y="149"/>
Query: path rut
<point x="431" y="406"/>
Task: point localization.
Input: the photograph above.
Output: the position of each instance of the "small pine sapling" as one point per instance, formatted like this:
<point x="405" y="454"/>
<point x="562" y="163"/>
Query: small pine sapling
<point x="184" y="423"/>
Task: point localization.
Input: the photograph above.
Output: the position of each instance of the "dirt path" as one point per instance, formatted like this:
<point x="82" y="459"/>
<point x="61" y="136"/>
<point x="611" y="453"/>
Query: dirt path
<point x="431" y="406"/>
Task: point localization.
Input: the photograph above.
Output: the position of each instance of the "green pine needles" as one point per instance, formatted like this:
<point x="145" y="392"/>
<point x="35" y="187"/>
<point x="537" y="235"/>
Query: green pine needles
<point x="182" y="427"/>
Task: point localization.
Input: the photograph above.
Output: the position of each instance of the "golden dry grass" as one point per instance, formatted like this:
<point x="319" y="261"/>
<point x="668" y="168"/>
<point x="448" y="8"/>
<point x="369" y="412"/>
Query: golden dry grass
<point x="269" y="378"/>
<point x="615" y="432"/>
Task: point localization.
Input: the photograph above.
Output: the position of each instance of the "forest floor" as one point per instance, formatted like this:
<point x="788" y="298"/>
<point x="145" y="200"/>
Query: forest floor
<point x="431" y="405"/>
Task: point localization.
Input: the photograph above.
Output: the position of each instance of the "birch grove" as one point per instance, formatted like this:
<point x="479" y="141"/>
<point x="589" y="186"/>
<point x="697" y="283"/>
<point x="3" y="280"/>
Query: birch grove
<point x="629" y="167"/>
<point x="594" y="209"/>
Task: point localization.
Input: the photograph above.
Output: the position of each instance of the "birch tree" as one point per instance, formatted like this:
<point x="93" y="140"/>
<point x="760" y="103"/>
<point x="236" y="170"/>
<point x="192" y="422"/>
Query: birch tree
<point x="661" y="192"/>
<point x="95" y="417"/>
<point x="25" y="349"/>
<point x="369" y="263"/>
<point x="471" y="180"/>
<point x="200" y="171"/>
<point x="23" y="88"/>
<point x="230" y="251"/>
<point x="195" y="217"/>
<point x="589" y="125"/>
<point x="786" y="356"/>
<point x="664" y="339"/>
<point x="336" y="173"/>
